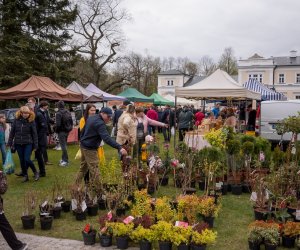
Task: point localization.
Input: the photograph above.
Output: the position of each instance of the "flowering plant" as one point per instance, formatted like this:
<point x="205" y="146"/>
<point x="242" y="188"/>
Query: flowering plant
<point x="88" y="229"/>
<point x="291" y="229"/>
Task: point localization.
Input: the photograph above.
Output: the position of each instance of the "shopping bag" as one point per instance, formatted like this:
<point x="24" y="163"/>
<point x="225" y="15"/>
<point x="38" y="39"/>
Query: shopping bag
<point x="78" y="155"/>
<point x="9" y="165"/>
<point x="101" y="155"/>
<point x="172" y="131"/>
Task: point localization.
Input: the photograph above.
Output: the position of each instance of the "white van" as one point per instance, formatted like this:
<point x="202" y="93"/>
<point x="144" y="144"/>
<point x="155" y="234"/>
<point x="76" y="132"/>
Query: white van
<point x="274" y="111"/>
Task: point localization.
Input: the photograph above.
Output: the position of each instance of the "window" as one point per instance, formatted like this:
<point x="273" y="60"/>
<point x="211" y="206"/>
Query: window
<point x="168" y="83"/>
<point x="257" y="77"/>
<point x="281" y="78"/>
<point x="298" y="78"/>
<point x="172" y="82"/>
<point x="298" y="97"/>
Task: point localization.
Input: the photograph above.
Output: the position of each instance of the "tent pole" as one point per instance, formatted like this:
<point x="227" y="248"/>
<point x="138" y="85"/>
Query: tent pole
<point x="175" y="122"/>
<point x="38" y="99"/>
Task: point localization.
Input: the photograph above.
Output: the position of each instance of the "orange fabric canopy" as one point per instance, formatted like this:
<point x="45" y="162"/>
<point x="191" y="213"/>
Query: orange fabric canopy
<point x="40" y="87"/>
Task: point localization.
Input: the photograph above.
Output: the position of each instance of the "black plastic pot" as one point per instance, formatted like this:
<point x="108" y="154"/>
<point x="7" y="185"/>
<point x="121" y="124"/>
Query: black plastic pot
<point x="224" y="188"/>
<point x="246" y="188"/>
<point x="254" y="245"/>
<point x="165" y="245"/>
<point x="210" y="221"/>
<point x="105" y="240"/>
<point x="90" y="238"/>
<point x="28" y="221"/>
<point x="141" y="186"/>
<point x="93" y="210"/>
<point x="236" y="189"/>
<point x="150" y="189"/>
<point x="190" y="191"/>
<point x="193" y="184"/>
<point x="56" y="212"/>
<point x="202" y="185"/>
<point x="145" y="245"/>
<point x="120" y="211"/>
<point x="66" y="206"/>
<point x="183" y="247"/>
<point x="288" y="242"/>
<point x="101" y="204"/>
<point x="178" y="183"/>
<point x="46" y="223"/>
<point x="164" y="181"/>
<point x="122" y="242"/>
<point x="270" y="247"/>
<point x="260" y="215"/>
<point x="80" y="216"/>
<point x="198" y="247"/>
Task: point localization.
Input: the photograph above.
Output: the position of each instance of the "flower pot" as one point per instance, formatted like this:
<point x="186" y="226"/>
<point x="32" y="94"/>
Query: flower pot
<point x="150" y="189"/>
<point x="105" y="240"/>
<point x="164" y="181"/>
<point x="193" y="184"/>
<point x="102" y="204"/>
<point x="28" y="221"/>
<point x="260" y="214"/>
<point x="209" y="220"/>
<point x="183" y="247"/>
<point x="165" y="245"/>
<point x="224" y="188"/>
<point x="120" y="211"/>
<point x="46" y="223"/>
<point x="66" y="206"/>
<point x="254" y="245"/>
<point x="246" y="188"/>
<point x="202" y="185"/>
<point x="288" y="242"/>
<point x="80" y="216"/>
<point x="122" y="242"/>
<point x="141" y="186"/>
<point x="145" y="245"/>
<point x="93" y="210"/>
<point x="190" y="191"/>
<point x="90" y="238"/>
<point x="56" y="212"/>
<point x="178" y="183"/>
<point x="236" y="189"/>
<point x="270" y="246"/>
<point x="198" y="247"/>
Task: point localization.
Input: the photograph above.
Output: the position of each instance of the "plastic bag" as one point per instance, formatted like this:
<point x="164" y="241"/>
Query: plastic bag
<point x="78" y="155"/>
<point x="172" y="131"/>
<point x="9" y="165"/>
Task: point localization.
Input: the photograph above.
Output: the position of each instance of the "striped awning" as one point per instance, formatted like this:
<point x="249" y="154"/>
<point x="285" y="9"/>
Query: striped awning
<point x="266" y="93"/>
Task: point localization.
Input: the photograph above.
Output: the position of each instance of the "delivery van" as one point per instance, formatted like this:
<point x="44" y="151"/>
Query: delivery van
<point x="272" y="112"/>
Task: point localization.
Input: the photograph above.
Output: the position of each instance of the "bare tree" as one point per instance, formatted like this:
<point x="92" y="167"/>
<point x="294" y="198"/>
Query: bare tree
<point x="98" y="34"/>
<point x="206" y="65"/>
<point x="228" y="62"/>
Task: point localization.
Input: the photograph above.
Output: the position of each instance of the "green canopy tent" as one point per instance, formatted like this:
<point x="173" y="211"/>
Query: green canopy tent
<point x="159" y="100"/>
<point x="135" y="96"/>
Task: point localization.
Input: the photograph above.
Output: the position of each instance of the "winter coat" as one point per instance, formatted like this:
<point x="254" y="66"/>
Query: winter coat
<point x="152" y="114"/>
<point x="147" y="121"/>
<point x="127" y="127"/>
<point x="23" y="131"/>
<point x="168" y="117"/>
<point x="42" y="126"/>
<point x="185" y="119"/>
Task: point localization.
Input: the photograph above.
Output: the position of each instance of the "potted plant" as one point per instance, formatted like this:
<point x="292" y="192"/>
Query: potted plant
<point x="143" y="236"/>
<point x="164" y="234"/>
<point x="233" y="147"/>
<point x="142" y="205"/>
<point x="254" y="234"/>
<point x="163" y="210"/>
<point x="121" y="231"/>
<point x="182" y="237"/>
<point x="89" y="235"/>
<point x="290" y="231"/>
<point x="28" y="217"/>
<point x="208" y="209"/>
<point x="105" y="232"/>
<point x="78" y="202"/>
<point x="200" y="240"/>
<point x="271" y="236"/>
<point x="46" y="212"/>
<point x="145" y="221"/>
<point x="187" y="208"/>
<point x="58" y="199"/>
<point x="92" y="197"/>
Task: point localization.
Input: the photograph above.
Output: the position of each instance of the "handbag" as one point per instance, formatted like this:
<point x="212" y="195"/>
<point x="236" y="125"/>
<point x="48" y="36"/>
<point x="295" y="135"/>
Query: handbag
<point x="9" y="165"/>
<point x="3" y="183"/>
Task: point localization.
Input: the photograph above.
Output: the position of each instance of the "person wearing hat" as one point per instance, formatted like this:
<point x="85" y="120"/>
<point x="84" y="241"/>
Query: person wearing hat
<point x="92" y="135"/>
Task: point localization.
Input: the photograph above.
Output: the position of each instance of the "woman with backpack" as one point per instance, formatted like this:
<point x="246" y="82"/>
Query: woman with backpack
<point x="23" y="137"/>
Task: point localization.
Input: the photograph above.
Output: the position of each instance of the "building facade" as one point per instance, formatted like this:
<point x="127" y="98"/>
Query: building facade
<point x="279" y="73"/>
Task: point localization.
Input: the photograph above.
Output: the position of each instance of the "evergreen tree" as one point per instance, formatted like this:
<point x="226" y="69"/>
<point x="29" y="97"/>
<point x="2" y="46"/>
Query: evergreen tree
<point x="34" y="40"/>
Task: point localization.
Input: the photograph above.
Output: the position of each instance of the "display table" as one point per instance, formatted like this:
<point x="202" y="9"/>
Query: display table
<point x="196" y="140"/>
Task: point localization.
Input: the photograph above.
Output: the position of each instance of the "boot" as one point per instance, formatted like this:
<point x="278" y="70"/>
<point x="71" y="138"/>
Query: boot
<point x="19" y="174"/>
<point x="36" y="176"/>
<point x="25" y="179"/>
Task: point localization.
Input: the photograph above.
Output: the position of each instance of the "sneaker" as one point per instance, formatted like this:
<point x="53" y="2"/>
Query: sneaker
<point x="25" y="179"/>
<point x="63" y="164"/>
<point x="48" y="163"/>
<point x="24" y="247"/>
<point x="58" y="148"/>
<point x="36" y="176"/>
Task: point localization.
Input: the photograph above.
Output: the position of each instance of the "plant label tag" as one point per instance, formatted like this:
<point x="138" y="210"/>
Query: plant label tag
<point x="109" y="215"/>
<point x="219" y="185"/>
<point x="45" y="203"/>
<point x="298" y="215"/>
<point x="253" y="196"/>
<point x="181" y="224"/>
<point x="293" y="150"/>
<point x="74" y="204"/>
<point x="58" y="204"/>
<point x="83" y="206"/>
<point x="261" y="156"/>
<point x="128" y="219"/>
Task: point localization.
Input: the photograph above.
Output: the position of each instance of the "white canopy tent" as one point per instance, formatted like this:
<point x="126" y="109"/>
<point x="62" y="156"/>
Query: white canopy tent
<point x="89" y="96"/>
<point x="180" y="101"/>
<point x="217" y="86"/>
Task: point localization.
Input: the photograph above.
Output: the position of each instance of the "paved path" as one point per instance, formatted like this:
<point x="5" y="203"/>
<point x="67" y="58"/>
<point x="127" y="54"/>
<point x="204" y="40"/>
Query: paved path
<point x="47" y="243"/>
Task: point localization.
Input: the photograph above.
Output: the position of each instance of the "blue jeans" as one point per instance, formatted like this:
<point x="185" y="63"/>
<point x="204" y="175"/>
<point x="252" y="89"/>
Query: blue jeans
<point x="63" y="137"/>
<point x="3" y="152"/>
<point x="24" y="153"/>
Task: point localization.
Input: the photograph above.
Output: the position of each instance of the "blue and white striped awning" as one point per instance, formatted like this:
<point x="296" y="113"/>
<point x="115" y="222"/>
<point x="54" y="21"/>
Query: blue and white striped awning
<point x="266" y="93"/>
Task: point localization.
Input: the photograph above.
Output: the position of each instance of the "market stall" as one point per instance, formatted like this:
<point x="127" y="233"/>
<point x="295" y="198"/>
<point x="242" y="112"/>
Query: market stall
<point x="89" y="96"/>
<point x="134" y="95"/>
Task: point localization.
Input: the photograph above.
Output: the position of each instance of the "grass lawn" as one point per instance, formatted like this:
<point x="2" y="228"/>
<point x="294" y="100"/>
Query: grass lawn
<point x="231" y="225"/>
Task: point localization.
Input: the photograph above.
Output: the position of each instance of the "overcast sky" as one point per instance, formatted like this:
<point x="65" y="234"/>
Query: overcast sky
<point x="193" y="28"/>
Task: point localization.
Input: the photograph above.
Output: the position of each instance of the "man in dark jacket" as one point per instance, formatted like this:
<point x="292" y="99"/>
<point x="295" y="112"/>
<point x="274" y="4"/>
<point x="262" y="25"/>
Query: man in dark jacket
<point x="62" y="132"/>
<point x="42" y="127"/>
<point x="92" y="134"/>
<point x="167" y="118"/>
<point x="185" y="122"/>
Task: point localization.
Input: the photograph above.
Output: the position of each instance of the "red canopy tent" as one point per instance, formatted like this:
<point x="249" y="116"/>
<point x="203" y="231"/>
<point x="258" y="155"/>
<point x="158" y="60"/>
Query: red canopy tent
<point x="40" y="87"/>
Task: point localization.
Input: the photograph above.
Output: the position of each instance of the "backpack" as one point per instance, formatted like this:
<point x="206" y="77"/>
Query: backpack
<point x="67" y="121"/>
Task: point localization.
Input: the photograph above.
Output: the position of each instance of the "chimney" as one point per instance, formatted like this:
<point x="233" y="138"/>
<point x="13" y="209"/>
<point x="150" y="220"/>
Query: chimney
<point x="293" y="53"/>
